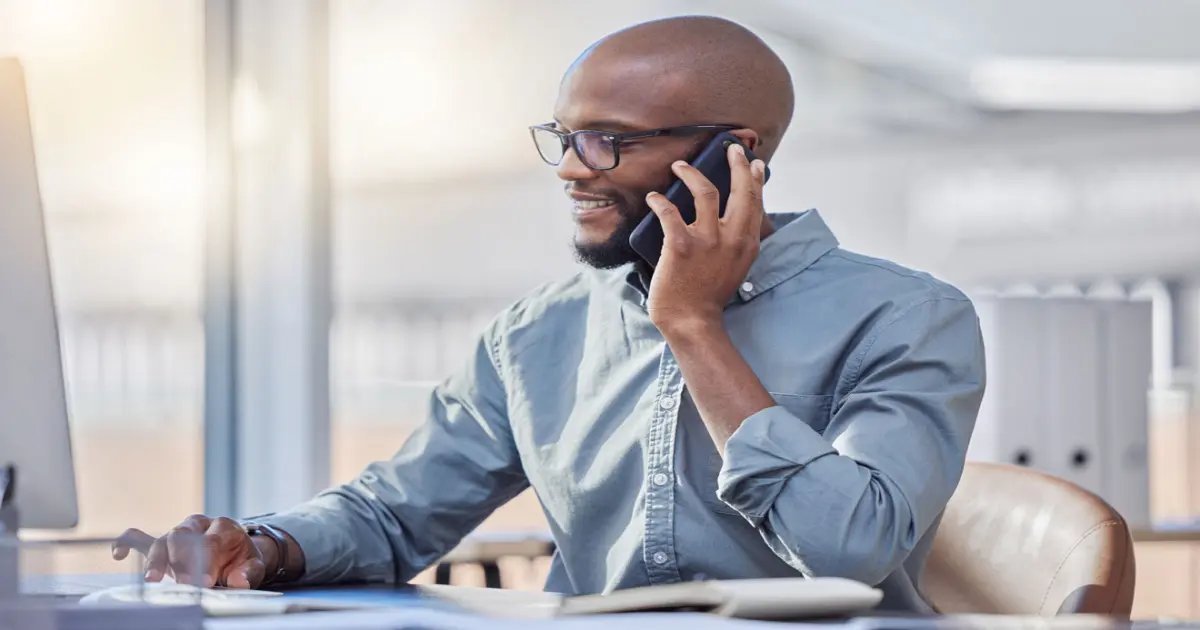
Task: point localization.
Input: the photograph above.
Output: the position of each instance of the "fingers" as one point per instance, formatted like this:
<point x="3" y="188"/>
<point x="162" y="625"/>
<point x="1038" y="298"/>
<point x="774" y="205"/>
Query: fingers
<point x="672" y="224"/>
<point x="187" y="555"/>
<point x="758" y="213"/>
<point x="132" y="540"/>
<point x="200" y="550"/>
<point x="248" y="574"/>
<point x="745" y="207"/>
<point x="157" y="561"/>
<point x="708" y="198"/>
<point x="155" y="551"/>
<point x="228" y="547"/>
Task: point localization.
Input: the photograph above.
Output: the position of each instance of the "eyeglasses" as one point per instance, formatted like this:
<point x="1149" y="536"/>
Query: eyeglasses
<point x="600" y="150"/>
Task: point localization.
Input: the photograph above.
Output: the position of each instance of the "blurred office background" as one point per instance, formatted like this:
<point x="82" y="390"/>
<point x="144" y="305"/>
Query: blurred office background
<point x="255" y="177"/>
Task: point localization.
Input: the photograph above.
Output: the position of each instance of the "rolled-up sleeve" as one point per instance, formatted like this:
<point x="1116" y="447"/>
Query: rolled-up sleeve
<point x="854" y="500"/>
<point x="402" y="515"/>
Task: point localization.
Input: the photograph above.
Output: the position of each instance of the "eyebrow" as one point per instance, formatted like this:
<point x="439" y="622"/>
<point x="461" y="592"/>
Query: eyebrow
<point x="614" y="126"/>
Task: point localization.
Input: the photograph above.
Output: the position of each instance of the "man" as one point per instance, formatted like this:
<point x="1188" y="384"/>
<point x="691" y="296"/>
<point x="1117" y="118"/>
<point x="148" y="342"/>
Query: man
<point x="760" y="404"/>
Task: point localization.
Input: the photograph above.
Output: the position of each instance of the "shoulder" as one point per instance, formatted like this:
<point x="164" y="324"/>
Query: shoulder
<point x="894" y="306"/>
<point x="890" y="283"/>
<point x="907" y="317"/>
<point x="875" y="293"/>
<point x="549" y="307"/>
<point x="914" y="317"/>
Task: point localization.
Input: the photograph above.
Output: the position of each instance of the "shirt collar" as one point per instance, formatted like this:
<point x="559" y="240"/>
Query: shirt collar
<point x="799" y="240"/>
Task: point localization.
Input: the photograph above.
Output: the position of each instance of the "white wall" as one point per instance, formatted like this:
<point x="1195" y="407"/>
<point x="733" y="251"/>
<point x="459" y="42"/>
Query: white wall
<point x="499" y="236"/>
<point x="438" y="191"/>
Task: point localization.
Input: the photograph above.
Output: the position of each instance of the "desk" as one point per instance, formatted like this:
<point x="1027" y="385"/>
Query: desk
<point x="1168" y="572"/>
<point x="1189" y="534"/>
<point x="414" y="608"/>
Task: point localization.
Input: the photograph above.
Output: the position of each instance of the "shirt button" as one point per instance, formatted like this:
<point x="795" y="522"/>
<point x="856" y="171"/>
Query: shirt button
<point x="660" y="558"/>
<point x="667" y="403"/>
<point x="747" y="286"/>
<point x="660" y="479"/>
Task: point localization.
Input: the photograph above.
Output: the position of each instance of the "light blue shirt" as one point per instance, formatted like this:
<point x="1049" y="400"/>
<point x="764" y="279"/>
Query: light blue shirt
<point x="877" y="370"/>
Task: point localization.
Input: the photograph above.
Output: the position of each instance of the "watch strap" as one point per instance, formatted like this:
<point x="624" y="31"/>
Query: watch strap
<point x="281" y="575"/>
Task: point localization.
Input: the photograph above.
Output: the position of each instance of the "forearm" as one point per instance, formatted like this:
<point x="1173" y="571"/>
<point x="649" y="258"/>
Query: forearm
<point x="826" y="514"/>
<point x="869" y="540"/>
<point x="402" y="515"/>
<point x="723" y="386"/>
<point x="864" y="535"/>
<point x="343" y="534"/>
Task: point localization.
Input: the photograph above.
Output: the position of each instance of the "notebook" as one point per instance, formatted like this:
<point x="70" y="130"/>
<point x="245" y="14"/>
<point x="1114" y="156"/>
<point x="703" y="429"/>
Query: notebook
<point x="763" y="599"/>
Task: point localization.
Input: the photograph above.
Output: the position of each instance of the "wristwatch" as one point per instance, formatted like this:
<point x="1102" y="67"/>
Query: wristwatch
<point x="282" y="575"/>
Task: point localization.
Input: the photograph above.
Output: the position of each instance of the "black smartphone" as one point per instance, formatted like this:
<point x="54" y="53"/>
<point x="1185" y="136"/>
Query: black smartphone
<point x="713" y="162"/>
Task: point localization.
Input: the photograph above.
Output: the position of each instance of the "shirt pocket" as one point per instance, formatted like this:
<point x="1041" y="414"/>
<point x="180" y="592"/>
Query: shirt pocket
<point x="811" y="409"/>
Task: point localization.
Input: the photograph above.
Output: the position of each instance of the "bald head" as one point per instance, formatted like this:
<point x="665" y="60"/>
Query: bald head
<point x="692" y="70"/>
<point x="676" y="72"/>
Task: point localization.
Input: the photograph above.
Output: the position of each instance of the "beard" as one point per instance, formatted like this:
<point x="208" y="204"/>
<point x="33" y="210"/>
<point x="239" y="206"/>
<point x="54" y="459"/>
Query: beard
<point x="615" y="250"/>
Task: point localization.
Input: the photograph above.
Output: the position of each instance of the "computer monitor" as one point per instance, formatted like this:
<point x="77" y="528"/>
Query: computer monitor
<point x="34" y="434"/>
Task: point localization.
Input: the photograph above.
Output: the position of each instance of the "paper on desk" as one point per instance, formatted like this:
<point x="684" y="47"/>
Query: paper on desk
<point x="425" y="619"/>
<point x="988" y="622"/>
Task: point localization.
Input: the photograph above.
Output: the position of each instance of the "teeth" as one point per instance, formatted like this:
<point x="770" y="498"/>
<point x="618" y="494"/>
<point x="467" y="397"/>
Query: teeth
<point x="592" y="205"/>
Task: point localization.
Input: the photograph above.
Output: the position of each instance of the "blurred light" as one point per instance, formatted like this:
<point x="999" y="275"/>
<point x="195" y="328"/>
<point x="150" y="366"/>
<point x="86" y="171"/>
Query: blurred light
<point x="49" y="29"/>
<point x="991" y="201"/>
<point x="1021" y="289"/>
<point x="249" y="117"/>
<point x="1087" y="85"/>
<point x="1107" y="289"/>
<point x="1164" y="191"/>
<point x="1065" y="290"/>
<point x="1162" y="336"/>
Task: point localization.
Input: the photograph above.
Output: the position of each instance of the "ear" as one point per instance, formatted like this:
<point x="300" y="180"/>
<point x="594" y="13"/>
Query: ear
<point x="748" y="137"/>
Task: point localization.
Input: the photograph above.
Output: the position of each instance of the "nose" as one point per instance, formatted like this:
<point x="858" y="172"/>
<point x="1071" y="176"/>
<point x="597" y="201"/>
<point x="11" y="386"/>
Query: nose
<point x="572" y="169"/>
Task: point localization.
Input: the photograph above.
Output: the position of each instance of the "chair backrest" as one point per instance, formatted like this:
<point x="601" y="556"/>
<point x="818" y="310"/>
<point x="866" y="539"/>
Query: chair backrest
<point x="1015" y="541"/>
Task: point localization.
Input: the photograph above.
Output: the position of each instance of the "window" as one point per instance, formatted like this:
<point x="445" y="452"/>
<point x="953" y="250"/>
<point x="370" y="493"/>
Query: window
<point x="429" y="245"/>
<point x="116" y="96"/>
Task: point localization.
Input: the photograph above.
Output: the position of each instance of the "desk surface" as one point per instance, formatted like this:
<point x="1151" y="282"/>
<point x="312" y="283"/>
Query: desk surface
<point x="423" y="601"/>
<point x="1189" y="534"/>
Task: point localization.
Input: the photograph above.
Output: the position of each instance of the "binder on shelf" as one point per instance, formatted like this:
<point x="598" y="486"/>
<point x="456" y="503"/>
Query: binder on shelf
<point x="1072" y="353"/>
<point x="1125" y="409"/>
<point x="1011" y="415"/>
<point x="1067" y="393"/>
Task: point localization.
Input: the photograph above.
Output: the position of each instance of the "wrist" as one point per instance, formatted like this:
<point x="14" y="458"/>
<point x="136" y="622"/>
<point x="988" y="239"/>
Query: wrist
<point x="692" y="328"/>
<point x="269" y="552"/>
<point x="281" y="557"/>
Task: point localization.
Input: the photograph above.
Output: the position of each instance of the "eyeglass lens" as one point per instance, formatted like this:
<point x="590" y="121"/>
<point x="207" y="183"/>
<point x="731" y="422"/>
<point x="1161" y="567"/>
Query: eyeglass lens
<point x="595" y="149"/>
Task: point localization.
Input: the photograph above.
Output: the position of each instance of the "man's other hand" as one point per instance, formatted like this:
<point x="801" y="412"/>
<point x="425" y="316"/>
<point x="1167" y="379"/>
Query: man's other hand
<point x="203" y="551"/>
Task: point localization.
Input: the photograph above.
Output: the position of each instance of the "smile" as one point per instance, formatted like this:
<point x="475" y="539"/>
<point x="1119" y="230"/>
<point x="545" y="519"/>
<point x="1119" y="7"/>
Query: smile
<point x="590" y="208"/>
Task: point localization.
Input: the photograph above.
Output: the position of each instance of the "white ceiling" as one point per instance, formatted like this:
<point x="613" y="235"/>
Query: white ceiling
<point x="955" y="48"/>
<point x="478" y="72"/>
<point x="1105" y="28"/>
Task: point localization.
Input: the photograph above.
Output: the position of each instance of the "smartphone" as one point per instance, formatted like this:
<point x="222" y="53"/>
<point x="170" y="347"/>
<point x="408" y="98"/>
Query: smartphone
<point x="713" y="162"/>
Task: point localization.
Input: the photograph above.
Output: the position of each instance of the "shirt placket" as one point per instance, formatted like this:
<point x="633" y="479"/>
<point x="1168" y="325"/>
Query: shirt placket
<point x="659" y="548"/>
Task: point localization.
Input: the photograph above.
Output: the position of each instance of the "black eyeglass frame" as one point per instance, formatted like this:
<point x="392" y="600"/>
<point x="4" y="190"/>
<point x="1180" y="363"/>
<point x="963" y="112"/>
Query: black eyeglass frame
<point x="616" y="139"/>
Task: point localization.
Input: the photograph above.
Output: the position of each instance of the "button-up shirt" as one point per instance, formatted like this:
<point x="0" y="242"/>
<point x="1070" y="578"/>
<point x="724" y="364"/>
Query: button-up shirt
<point x="877" y="372"/>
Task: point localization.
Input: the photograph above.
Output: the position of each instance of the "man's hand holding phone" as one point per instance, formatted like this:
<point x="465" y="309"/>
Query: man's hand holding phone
<point x="703" y="264"/>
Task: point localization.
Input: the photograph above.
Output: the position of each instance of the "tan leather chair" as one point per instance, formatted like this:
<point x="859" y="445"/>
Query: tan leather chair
<point x="1014" y="541"/>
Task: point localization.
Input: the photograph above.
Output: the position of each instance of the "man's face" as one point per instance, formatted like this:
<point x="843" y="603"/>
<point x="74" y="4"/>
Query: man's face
<point x="609" y="205"/>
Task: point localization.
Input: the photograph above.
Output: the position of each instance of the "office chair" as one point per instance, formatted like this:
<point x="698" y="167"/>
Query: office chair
<point x="1015" y="541"/>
